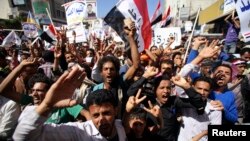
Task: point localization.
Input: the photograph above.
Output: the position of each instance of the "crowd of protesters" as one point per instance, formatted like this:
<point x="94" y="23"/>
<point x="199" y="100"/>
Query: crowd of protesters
<point x="100" y="91"/>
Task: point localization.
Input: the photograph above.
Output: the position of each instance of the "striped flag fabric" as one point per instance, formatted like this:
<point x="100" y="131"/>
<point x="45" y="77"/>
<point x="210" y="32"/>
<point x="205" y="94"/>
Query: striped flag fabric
<point x="137" y="11"/>
<point x="49" y="35"/>
<point x="157" y="16"/>
<point x="166" y="17"/>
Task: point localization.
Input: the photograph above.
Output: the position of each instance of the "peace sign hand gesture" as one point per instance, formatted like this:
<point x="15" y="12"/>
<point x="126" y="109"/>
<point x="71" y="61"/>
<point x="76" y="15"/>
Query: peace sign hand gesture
<point x="154" y="110"/>
<point x="134" y="101"/>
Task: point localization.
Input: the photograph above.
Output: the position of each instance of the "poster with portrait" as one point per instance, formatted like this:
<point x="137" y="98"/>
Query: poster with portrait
<point x="91" y="11"/>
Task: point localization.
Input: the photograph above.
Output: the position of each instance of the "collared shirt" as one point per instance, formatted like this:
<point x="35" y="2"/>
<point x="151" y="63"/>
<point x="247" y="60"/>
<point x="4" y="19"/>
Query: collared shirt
<point x="9" y="113"/>
<point x="193" y="123"/>
<point x="31" y="127"/>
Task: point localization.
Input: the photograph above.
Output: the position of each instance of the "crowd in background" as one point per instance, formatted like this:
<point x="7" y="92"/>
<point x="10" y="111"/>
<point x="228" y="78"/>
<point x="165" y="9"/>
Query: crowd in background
<point x="97" y="90"/>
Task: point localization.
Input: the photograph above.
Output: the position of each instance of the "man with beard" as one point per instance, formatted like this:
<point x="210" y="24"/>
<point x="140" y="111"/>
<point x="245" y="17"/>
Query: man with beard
<point x="101" y="105"/>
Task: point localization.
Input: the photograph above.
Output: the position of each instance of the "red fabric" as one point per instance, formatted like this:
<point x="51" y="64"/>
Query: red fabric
<point x="146" y="26"/>
<point x="52" y="29"/>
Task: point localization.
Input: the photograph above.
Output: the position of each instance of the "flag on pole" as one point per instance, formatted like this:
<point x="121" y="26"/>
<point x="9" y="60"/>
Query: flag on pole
<point x="138" y="12"/>
<point x="166" y="17"/>
<point x="11" y="39"/>
<point x="157" y="16"/>
<point x="49" y="34"/>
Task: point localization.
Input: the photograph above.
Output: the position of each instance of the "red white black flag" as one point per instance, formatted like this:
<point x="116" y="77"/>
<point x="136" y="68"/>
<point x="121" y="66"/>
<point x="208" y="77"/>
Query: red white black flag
<point x="157" y="16"/>
<point x="138" y="12"/>
<point x="49" y="35"/>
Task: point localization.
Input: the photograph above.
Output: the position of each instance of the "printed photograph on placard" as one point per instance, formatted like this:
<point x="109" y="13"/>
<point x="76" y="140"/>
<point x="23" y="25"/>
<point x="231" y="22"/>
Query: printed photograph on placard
<point x="91" y="10"/>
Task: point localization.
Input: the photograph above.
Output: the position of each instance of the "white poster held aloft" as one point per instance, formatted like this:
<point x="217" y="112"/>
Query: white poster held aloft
<point x="162" y="36"/>
<point x="75" y="11"/>
<point x="80" y="32"/>
<point x="243" y="10"/>
<point x="11" y="39"/>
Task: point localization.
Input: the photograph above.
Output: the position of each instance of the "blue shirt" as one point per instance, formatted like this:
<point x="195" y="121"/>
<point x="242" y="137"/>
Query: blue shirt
<point x="230" y="113"/>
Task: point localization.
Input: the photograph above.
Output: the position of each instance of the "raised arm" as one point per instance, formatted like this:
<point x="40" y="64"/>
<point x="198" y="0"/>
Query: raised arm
<point x="134" y="51"/>
<point x="236" y="23"/>
<point x="207" y="52"/>
<point x="31" y="125"/>
<point x="7" y="88"/>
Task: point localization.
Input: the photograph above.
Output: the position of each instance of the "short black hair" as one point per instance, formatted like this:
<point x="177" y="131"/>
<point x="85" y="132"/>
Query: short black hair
<point x="90" y="5"/>
<point x="223" y="65"/>
<point x="158" y="80"/>
<point x="92" y="50"/>
<point x="244" y="50"/>
<point x="48" y="56"/>
<point x="138" y="112"/>
<point x="101" y="96"/>
<point x="167" y="61"/>
<point x="152" y="47"/>
<point x="205" y="79"/>
<point x="175" y="54"/>
<point x="38" y="77"/>
<point x="111" y="59"/>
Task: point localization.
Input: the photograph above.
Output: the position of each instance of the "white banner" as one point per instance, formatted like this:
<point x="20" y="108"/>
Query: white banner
<point x="30" y="30"/>
<point x="81" y="33"/>
<point x="11" y="39"/>
<point x="243" y="10"/>
<point x="229" y="5"/>
<point x="162" y="36"/>
<point x="75" y="11"/>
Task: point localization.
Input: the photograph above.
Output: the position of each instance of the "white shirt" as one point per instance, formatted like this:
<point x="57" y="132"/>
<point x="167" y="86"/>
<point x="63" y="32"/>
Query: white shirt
<point x="194" y="124"/>
<point x="31" y="127"/>
<point x="9" y="113"/>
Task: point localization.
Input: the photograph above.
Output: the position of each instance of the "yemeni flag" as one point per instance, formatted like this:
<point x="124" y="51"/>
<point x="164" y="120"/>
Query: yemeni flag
<point x="138" y="12"/>
<point x="49" y="35"/>
<point x="166" y="19"/>
<point x="157" y="16"/>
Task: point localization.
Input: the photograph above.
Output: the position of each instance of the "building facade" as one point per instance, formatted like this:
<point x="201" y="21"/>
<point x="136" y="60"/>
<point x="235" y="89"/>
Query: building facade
<point x="11" y="9"/>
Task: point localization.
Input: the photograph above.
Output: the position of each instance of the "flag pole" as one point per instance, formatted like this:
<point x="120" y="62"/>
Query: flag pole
<point x="51" y="19"/>
<point x="191" y="36"/>
<point x="35" y="40"/>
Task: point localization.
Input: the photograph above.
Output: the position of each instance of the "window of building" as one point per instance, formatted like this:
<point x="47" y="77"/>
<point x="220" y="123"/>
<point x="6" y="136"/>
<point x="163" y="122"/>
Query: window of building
<point x="63" y="14"/>
<point x="58" y="13"/>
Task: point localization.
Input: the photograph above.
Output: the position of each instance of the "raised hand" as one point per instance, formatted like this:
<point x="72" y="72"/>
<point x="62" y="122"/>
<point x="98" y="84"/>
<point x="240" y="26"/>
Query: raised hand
<point x="151" y="71"/>
<point x="130" y="31"/>
<point x="154" y="110"/>
<point x="217" y="105"/>
<point x="29" y="61"/>
<point x="210" y="50"/>
<point x="134" y="101"/>
<point x="57" y="53"/>
<point x="180" y="81"/>
<point x="197" y="42"/>
<point x="60" y="93"/>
